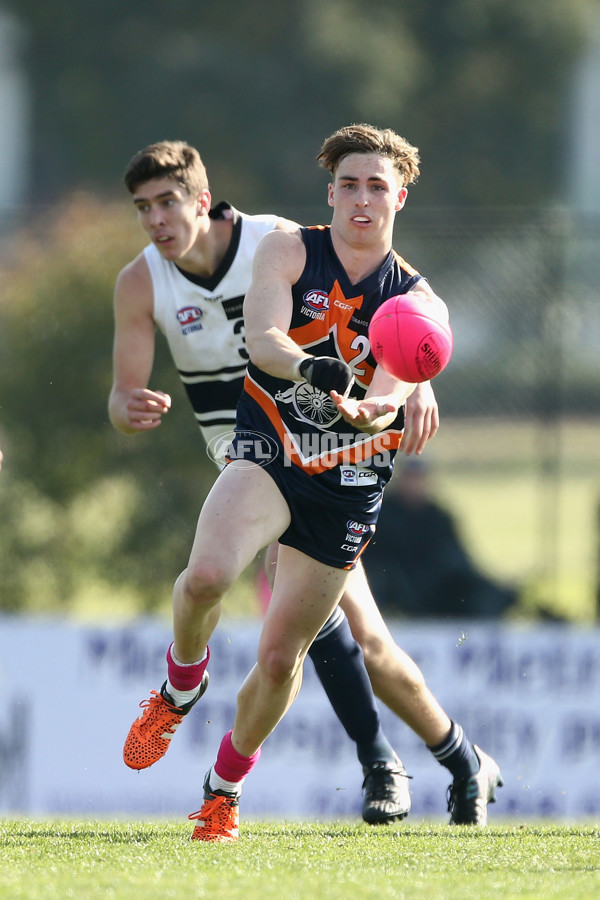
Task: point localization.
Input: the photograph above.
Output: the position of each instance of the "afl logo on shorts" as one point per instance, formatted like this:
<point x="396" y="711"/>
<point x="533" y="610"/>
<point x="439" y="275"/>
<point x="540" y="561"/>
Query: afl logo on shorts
<point x="317" y="300"/>
<point x="357" y="527"/>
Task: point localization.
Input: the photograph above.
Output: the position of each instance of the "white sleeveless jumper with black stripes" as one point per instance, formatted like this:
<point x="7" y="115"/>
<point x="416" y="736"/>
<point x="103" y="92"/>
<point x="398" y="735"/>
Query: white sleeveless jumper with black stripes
<point x="202" y="320"/>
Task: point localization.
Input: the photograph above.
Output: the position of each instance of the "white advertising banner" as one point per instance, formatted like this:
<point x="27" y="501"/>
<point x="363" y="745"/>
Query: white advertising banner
<point x="529" y="696"/>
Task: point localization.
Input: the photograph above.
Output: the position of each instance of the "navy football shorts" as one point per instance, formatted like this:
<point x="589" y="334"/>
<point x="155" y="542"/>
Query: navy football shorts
<point x="330" y="523"/>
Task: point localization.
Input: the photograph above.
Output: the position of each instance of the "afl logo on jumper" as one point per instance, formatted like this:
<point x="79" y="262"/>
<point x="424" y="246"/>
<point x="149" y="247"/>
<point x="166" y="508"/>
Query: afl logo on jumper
<point x="357" y="527"/>
<point x="315" y="304"/>
<point x="189" y="319"/>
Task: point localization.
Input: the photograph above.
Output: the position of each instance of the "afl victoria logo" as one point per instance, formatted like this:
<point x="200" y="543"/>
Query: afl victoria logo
<point x="317" y="300"/>
<point x="356" y="527"/>
<point x="188" y="315"/>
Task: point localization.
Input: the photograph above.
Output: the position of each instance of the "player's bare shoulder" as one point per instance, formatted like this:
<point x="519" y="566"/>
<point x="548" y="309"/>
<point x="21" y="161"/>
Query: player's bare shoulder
<point x="281" y="251"/>
<point x="133" y="286"/>
<point x="287" y="225"/>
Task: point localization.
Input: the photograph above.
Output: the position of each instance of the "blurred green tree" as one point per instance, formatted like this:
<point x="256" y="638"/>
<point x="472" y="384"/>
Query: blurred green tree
<point x="481" y="86"/>
<point x="84" y="506"/>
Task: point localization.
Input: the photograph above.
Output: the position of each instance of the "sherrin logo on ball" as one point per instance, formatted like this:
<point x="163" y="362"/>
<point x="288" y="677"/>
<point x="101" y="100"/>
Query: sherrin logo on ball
<point x="409" y="339"/>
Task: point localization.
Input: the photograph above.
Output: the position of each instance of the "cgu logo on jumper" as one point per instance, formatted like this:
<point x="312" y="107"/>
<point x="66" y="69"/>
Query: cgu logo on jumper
<point x="189" y="319"/>
<point x="316" y="303"/>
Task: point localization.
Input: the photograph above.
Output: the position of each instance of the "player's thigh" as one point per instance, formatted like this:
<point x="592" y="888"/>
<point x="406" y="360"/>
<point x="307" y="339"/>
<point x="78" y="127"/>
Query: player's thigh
<point x="366" y="622"/>
<point x="305" y="593"/>
<point x="390" y="668"/>
<point x="243" y="513"/>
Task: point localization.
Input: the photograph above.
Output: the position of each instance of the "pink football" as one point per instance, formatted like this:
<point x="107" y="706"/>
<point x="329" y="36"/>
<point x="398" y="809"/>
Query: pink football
<point x="409" y="340"/>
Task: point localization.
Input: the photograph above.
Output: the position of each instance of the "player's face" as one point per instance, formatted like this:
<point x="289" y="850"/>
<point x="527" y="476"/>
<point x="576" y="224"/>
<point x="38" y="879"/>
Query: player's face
<point x="169" y="215"/>
<point x="366" y="194"/>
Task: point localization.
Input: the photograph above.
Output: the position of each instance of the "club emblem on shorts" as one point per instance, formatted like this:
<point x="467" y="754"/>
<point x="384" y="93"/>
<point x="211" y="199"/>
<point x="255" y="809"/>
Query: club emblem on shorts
<point x="189" y="319"/>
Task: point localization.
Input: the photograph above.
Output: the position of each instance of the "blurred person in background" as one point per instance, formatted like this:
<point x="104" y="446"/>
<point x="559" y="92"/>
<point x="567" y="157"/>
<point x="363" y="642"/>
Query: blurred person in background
<point x="417" y="563"/>
<point x="190" y="282"/>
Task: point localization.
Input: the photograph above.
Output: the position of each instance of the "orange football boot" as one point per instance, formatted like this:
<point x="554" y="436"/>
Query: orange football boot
<point x="150" y="735"/>
<point x="219" y="818"/>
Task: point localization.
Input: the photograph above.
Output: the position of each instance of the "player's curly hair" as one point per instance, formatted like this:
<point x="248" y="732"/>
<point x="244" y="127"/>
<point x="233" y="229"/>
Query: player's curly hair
<point x="369" y="139"/>
<point x="167" y="159"/>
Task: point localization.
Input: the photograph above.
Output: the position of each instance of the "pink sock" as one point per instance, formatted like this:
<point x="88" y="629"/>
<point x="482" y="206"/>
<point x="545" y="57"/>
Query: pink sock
<point x="186" y="677"/>
<point x="230" y="764"/>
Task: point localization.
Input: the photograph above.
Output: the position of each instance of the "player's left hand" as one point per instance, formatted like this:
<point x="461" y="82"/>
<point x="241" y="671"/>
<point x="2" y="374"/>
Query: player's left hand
<point x="362" y="413"/>
<point x="421" y="419"/>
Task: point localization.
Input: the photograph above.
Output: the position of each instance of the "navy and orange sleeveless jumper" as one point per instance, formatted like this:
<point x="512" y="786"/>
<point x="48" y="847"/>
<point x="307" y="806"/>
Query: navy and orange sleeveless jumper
<point x="328" y="471"/>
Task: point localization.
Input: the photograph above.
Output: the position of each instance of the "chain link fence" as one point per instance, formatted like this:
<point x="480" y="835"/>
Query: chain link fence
<point x="518" y="450"/>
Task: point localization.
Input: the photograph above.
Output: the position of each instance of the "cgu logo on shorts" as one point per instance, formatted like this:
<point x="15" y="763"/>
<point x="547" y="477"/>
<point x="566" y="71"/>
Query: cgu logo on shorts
<point x="189" y="318"/>
<point x="317" y="300"/>
<point x="357" y="528"/>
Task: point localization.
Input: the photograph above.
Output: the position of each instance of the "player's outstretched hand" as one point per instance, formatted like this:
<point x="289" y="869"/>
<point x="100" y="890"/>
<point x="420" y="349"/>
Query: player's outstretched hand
<point x="421" y="419"/>
<point x="327" y="373"/>
<point x="145" y="408"/>
<point x="363" y="414"/>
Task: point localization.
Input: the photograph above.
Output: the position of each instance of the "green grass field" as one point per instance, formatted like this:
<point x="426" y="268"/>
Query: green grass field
<point x="336" y="861"/>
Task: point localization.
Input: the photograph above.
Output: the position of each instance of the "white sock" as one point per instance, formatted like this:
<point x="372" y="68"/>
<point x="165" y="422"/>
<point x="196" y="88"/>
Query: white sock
<point x="180" y="698"/>
<point x="184" y="665"/>
<point x="216" y="783"/>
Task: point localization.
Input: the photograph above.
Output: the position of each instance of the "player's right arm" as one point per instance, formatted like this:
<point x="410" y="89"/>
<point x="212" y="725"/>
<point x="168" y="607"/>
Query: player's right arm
<point x="278" y="263"/>
<point x="132" y="406"/>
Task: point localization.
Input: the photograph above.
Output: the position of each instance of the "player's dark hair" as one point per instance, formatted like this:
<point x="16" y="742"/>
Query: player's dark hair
<point x="167" y="159"/>
<point x="369" y="139"/>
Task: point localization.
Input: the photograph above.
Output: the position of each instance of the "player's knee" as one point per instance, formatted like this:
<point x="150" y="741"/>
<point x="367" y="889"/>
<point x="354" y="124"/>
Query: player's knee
<point x="278" y="665"/>
<point x="374" y="651"/>
<point x="411" y="676"/>
<point x="384" y="659"/>
<point x="205" y="583"/>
